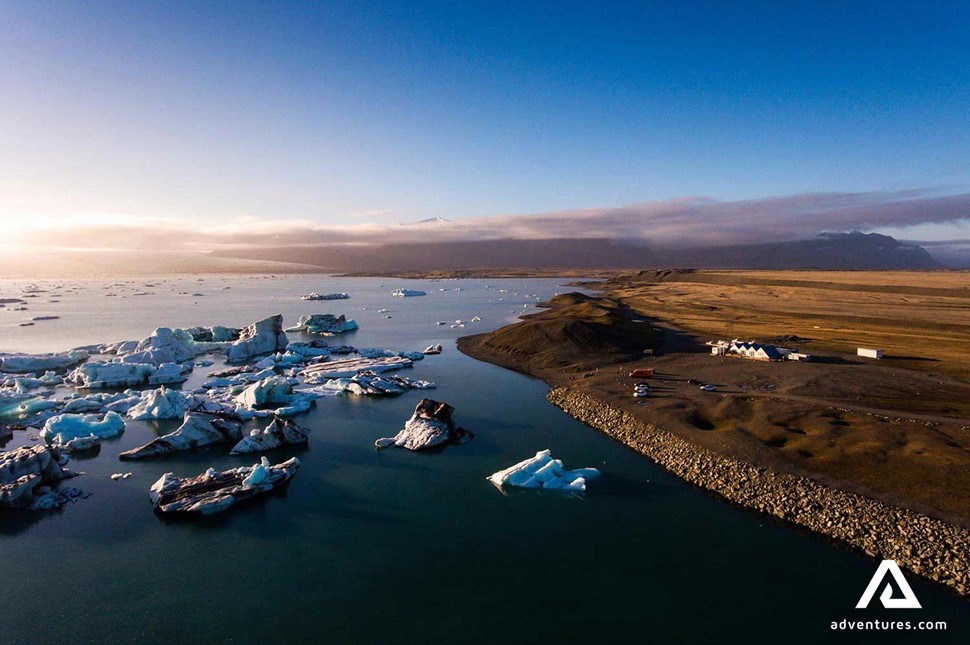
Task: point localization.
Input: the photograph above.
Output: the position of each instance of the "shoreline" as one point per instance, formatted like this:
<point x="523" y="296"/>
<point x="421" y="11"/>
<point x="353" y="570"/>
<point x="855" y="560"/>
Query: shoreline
<point x="928" y="546"/>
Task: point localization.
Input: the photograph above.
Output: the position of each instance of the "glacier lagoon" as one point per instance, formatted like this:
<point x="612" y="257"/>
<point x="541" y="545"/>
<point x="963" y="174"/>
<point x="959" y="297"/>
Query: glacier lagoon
<point x="394" y="546"/>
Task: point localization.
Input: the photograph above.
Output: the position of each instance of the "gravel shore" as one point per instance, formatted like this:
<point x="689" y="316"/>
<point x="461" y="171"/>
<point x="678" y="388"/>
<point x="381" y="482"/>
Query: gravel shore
<point x="927" y="546"/>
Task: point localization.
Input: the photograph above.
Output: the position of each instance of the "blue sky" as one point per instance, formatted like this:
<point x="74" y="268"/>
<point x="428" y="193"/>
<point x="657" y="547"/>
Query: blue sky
<point x="374" y="112"/>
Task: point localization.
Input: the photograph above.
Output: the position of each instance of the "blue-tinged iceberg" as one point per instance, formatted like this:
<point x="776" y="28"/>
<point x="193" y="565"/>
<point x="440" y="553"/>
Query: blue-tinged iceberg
<point x="24" y="363"/>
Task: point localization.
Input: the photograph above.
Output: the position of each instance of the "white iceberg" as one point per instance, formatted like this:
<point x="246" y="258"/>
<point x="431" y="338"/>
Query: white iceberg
<point x="107" y="375"/>
<point x="263" y="337"/>
<point x="324" y="324"/>
<point x="431" y="425"/>
<point x="23" y="363"/>
<point x="325" y="296"/>
<point x="275" y="389"/>
<point x="542" y="471"/>
<point x="408" y="293"/>
<point x="372" y="383"/>
<point x="161" y="347"/>
<point x="279" y="432"/>
<point x="163" y="403"/>
<point x="348" y="367"/>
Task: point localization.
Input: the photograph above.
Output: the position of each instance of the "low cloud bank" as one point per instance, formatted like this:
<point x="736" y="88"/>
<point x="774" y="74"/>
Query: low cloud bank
<point x="675" y="223"/>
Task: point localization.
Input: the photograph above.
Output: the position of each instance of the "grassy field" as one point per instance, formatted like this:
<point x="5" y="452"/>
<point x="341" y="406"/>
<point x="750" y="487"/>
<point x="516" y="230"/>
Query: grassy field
<point x="921" y="319"/>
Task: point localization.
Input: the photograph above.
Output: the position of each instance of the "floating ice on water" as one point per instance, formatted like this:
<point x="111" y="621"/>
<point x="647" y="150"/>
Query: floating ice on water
<point x="63" y="428"/>
<point x="324" y="324"/>
<point x="263" y="337"/>
<point x="325" y="296"/>
<point x="23" y="363"/>
<point x="408" y="293"/>
<point x="278" y="433"/>
<point x="542" y="471"/>
<point x="431" y="425"/>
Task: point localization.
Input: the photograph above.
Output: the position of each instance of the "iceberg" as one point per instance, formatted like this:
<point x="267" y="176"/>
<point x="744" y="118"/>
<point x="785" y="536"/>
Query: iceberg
<point x="279" y="432"/>
<point x="197" y="429"/>
<point x="349" y="366"/>
<point x="168" y="373"/>
<point x="431" y="425"/>
<point x="275" y="389"/>
<point x="23" y="363"/>
<point x="26" y="475"/>
<point x="162" y="403"/>
<point x="214" y="492"/>
<point x="59" y="430"/>
<point x="408" y="293"/>
<point x="542" y="471"/>
<point x="324" y="324"/>
<point x="372" y="383"/>
<point x="263" y="337"/>
<point x="106" y="375"/>
<point x="163" y="346"/>
<point x="325" y="296"/>
<point x="431" y="350"/>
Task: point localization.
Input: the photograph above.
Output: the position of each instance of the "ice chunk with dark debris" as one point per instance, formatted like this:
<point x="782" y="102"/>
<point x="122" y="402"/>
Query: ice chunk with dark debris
<point x="197" y="429"/>
<point x="431" y="425"/>
<point x="214" y="492"/>
<point x="279" y="432"/>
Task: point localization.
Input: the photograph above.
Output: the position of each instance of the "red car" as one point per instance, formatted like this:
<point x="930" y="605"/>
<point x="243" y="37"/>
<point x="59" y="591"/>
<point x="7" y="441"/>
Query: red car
<point x="642" y="373"/>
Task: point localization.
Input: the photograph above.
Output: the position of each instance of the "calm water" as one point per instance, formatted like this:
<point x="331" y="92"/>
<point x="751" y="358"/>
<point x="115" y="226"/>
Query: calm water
<point x="398" y="547"/>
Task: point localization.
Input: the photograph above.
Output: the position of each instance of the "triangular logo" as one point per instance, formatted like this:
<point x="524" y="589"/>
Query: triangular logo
<point x="908" y="601"/>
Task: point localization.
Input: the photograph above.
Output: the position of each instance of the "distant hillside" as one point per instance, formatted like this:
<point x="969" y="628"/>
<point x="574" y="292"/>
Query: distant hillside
<point x="828" y="251"/>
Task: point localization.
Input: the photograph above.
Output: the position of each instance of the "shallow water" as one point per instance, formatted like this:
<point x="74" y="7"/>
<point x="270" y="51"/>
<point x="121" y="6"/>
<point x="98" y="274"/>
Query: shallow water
<point x="402" y="547"/>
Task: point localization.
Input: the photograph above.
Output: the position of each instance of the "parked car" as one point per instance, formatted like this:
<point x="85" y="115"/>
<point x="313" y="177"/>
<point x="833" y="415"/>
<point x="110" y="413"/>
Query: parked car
<point x="709" y="388"/>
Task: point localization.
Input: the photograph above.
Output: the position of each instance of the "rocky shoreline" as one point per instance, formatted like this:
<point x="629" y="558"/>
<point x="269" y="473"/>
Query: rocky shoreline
<point x="927" y="546"/>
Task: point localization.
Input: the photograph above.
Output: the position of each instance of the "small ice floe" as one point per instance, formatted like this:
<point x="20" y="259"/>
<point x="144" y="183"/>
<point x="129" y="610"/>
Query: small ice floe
<point x="433" y="349"/>
<point x="118" y="476"/>
<point x="408" y="293"/>
<point x="279" y="432"/>
<point x="76" y="432"/>
<point x="197" y="429"/>
<point x="39" y="318"/>
<point x="441" y="322"/>
<point x="263" y="337"/>
<point x="431" y="425"/>
<point x="542" y="471"/>
<point x="26" y="477"/>
<point x="477" y="319"/>
<point x="325" y="296"/>
<point x="324" y="324"/>
<point x="214" y="492"/>
<point x="372" y="383"/>
<point x="24" y="363"/>
<point x="383" y="311"/>
<point x="347" y="367"/>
